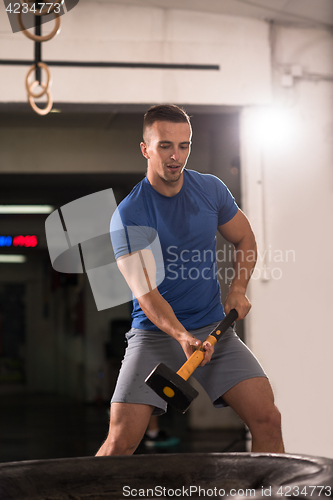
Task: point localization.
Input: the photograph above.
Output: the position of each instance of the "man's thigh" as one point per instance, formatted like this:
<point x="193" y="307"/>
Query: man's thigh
<point x="145" y="350"/>
<point x="231" y="363"/>
<point x="251" y="399"/>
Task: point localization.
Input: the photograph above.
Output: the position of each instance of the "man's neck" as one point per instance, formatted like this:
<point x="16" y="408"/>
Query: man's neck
<point x="164" y="187"/>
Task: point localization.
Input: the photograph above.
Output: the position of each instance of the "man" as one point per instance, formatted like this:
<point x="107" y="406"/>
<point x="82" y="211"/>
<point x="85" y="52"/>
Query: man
<point x="185" y="209"/>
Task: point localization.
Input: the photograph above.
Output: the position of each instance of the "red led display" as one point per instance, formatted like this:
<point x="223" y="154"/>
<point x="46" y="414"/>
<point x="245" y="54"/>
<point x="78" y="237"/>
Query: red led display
<point x="25" y="241"/>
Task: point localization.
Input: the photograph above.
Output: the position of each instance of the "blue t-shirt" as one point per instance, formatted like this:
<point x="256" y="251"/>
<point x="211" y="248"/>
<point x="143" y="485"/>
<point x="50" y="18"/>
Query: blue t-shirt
<point x="186" y="225"/>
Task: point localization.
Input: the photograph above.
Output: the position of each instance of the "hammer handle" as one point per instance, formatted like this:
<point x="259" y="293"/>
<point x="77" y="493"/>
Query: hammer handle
<point x="194" y="361"/>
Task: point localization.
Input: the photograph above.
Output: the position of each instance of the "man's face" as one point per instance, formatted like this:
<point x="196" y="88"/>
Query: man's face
<point x="167" y="147"/>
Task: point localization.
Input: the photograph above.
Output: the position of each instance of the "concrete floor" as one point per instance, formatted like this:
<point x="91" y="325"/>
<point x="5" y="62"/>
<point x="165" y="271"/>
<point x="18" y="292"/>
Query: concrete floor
<point x="46" y="426"/>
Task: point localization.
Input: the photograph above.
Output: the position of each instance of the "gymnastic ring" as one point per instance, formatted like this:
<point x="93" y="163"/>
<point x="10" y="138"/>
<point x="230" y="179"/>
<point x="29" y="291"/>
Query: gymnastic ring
<point x="34" y="106"/>
<point x="44" y="11"/>
<point x="45" y="86"/>
<point x="37" y="38"/>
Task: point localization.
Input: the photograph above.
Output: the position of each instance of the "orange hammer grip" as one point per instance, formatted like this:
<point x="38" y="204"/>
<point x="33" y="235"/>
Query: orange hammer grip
<point x="194" y="361"/>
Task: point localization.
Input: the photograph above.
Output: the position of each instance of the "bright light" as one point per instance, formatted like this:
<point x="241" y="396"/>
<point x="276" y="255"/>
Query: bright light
<point x="274" y="126"/>
<point x="26" y="209"/>
<point x="12" y="259"/>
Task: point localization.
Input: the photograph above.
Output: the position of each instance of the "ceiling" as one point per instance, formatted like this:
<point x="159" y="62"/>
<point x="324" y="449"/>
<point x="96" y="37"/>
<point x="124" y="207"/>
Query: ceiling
<point x="303" y="12"/>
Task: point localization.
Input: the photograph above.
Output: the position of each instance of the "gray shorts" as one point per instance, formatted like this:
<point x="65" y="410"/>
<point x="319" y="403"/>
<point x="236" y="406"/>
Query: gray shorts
<point x="231" y="363"/>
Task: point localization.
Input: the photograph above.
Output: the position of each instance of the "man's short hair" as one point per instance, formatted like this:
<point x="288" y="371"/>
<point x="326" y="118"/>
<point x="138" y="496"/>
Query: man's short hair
<point x="164" y="113"/>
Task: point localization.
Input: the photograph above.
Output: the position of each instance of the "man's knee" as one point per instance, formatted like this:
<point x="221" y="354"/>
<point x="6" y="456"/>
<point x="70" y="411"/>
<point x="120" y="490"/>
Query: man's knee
<point x="128" y="423"/>
<point x="268" y="418"/>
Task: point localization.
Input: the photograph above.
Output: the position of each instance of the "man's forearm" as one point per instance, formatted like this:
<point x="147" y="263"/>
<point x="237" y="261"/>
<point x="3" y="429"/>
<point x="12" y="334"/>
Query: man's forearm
<point x="139" y="271"/>
<point x="159" y="312"/>
<point x="245" y="257"/>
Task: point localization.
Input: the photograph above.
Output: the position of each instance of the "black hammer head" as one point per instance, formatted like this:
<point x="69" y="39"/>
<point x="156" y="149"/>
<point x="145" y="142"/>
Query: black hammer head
<point x="171" y="387"/>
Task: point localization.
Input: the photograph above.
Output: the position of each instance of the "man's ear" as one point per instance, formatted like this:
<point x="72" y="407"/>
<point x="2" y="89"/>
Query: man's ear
<point x="143" y="147"/>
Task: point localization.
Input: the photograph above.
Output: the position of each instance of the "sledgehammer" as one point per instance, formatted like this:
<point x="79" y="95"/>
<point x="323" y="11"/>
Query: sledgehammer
<point x="172" y="386"/>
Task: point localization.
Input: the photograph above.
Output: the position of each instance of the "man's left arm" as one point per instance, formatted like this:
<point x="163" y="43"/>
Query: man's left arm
<point x="238" y="231"/>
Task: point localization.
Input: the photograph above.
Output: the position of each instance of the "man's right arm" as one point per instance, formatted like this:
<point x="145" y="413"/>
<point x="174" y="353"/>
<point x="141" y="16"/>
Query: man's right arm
<point x="139" y="271"/>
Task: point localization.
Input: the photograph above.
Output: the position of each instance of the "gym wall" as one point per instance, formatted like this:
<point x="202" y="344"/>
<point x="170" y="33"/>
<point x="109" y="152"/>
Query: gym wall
<point x="287" y="194"/>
